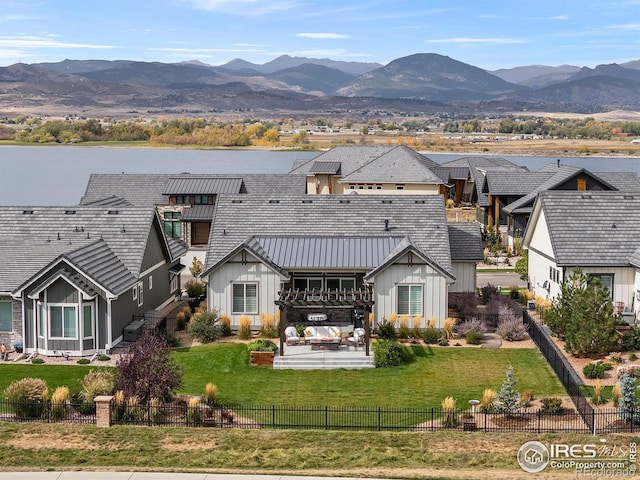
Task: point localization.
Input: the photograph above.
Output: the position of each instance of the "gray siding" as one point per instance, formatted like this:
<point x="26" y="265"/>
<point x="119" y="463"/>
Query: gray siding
<point x="61" y="291"/>
<point x="465" y="273"/>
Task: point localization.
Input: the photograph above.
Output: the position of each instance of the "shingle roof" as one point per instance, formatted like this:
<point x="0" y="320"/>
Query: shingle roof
<point x="466" y="241"/>
<point x="623" y="181"/>
<point x="509" y="182"/>
<point x="198" y="212"/>
<point x="238" y="217"/>
<point x="202" y="185"/>
<point x="592" y="228"/>
<point x="108" y="241"/>
<point x="148" y="189"/>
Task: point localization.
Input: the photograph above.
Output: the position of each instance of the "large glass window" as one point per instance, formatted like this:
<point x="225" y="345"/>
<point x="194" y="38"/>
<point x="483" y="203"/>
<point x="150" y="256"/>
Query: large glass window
<point x="245" y="298"/>
<point x="40" y="319"/>
<point x="606" y="279"/>
<point x="305" y="283"/>
<point x="182" y="200"/>
<point x="201" y="199"/>
<point x="87" y="320"/>
<point x="62" y="321"/>
<point x="410" y="299"/>
<point x="341" y="283"/>
<point x="6" y="316"/>
<point x="172" y="224"/>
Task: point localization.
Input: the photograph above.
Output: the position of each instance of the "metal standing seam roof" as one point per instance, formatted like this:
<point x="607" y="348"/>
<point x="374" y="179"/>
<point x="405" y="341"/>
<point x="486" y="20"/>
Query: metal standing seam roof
<point x="240" y="217"/>
<point x="332" y="168"/>
<point x="202" y="185"/>
<point x="328" y="252"/>
<point x="104" y="241"/>
<point x="198" y="213"/>
<point x="592" y="228"/>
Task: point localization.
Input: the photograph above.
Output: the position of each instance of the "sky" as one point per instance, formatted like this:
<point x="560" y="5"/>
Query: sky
<point x="490" y="34"/>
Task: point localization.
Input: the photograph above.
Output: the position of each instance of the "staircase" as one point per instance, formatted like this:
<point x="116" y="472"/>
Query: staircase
<point x="322" y="360"/>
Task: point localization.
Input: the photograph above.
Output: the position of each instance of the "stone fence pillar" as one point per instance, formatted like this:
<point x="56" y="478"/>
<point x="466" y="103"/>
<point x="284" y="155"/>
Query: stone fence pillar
<point x="103" y="410"/>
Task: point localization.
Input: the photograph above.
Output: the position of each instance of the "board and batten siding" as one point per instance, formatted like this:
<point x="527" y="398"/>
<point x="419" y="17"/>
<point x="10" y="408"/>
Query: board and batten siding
<point x="636" y="286"/>
<point x="465" y="273"/>
<point x="623" y="281"/>
<point x="541" y="258"/>
<point x="220" y="288"/>
<point x="433" y="283"/>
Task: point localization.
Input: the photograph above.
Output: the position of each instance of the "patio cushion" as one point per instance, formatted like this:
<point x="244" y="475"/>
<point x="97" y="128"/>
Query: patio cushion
<point x="317" y="332"/>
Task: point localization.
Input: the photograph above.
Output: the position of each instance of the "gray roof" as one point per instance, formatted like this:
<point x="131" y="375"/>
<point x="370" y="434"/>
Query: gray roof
<point x="148" y="189"/>
<point x="591" y="228"/>
<point x="202" y="185"/>
<point x="198" y="213"/>
<point x="238" y="218"/>
<point x="325" y="167"/>
<point x="513" y="183"/>
<point x="327" y="252"/>
<point x="104" y="241"/>
<point x="466" y="241"/>
<point x="623" y="181"/>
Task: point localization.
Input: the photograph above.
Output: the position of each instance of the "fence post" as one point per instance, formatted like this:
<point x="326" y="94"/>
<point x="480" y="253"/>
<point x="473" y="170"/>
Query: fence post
<point x="103" y="410"/>
<point x="379" y="421"/>
<point x="273" y="416"/>
<point x="326" y="417"/>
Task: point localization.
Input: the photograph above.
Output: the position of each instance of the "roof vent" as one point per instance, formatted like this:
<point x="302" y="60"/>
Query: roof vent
<point x="123" y="230"/>
<point x="274" y="201"/>
<point x="236" y="201"/>
<point x="112" y="212"/>
<point x="586" y="197"/>
<point x="628" y="197"/>
<point x="387" y="201"/>
<point x="69" y="212"/>
<point x="307" y="201"/>
<point x="345" y="201"/>
<point x="419" y="201"/>
<point x="27" y="212"/>
<point x="386" y="225"/>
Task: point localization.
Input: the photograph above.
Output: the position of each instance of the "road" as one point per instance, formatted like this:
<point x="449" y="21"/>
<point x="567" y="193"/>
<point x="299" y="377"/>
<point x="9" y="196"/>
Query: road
<point x="497" y="278"/>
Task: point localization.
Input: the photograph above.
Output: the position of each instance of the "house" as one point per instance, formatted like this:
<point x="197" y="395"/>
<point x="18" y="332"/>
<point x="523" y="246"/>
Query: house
<point x="72" y="278"/>
<point x="380" y="170"/>
<point x="511" y="194"/>
<point x="467" y="250"/>
<point x="185" y="201"/>
<point x="596" y="231"/>
<point x="329" y="251"/>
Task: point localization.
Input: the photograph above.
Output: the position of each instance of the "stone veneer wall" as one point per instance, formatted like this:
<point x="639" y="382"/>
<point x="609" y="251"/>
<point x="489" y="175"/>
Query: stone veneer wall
<point x="16" y="335"/>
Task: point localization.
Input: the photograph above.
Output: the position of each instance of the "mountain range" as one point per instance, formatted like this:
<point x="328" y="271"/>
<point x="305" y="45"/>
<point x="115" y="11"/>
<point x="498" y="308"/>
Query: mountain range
<point x="425" y="82"/>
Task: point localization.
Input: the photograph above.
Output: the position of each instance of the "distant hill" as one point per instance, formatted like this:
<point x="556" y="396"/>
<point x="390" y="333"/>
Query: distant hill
<point x="431" y="76"/>
<point x="284" y="62"/>
<point x="156" y="73"/>
<point x="536" y="75"/>
<point x="82" y="66"/>
<point x="313" y="78"/>
<point x="609" y="70"/>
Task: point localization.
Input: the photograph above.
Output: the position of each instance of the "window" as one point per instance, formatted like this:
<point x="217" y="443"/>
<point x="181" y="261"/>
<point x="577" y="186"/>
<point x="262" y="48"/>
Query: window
<point x="172" y="224"/>
<point x="378" y="187"/>
<point x="341" y="283"/>
<point x="174" y="282"/>
<point x="150" y="282"/>
<point x="399" y="186"/>
<point x="554" y="274"/>
<point x="140" y="288"/>
<point x="409" y="299"/>
<point x="87" y="320"/>
<point x="582" y="184"/>
<point x="62" y="321"/>
<point x="303" y="283"/>
<point x="245" y="298"/>
<point x="201" y="200"/>
<point x="606" y="279"/>
<point x="6" y="316"/>
<point x="352" y="186"/>
<point x="182" y="200"/>
<point x="40" y="319"/>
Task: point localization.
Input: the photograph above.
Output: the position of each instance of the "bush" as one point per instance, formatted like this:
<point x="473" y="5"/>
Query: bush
<point x="37" y="361"/>
<point x="551" y="405"/>
<point x="511" y="329"/>
<point x="443" y="343"/>
<point x="386" y="330"/>
<point x="245" y="328"/>
<point x="594" y="370"/>
<point x="431" y="335"/>
<point x="387" y="353"/>
<point x="487" y="404"/>
<point x="104" y="358"/>
<point x="466" y="303"/>
<point x="83" y="361"/>
<point x="473" y="338"/>
<point x="631" y="340"/>
<point x="195" y="288"/>
<point x="514" y="292"/>
<point x="205" y="327"/>
<point x="181" y="320"/>
<point x="225" y="324"/>
<point x="29" y="395"/>
<point x="268" y="328"/>
<point x="450" y="419"/>
<point x="471" y="325"/>
<point x="59" y="401"/>
<point x="170" y="339"/>
<point x="262" y="345"/>
<point x="487" y="292"/>
<point x="97" y="382"/>
<point x="525" y="398"/>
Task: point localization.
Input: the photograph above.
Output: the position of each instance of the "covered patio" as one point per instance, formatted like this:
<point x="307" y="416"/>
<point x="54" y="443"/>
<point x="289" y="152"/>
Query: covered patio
<point x="325" y="300"/>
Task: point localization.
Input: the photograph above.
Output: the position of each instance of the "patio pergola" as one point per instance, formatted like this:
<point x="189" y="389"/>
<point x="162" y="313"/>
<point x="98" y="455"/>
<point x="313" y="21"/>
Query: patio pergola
<point x="359" y="298"/>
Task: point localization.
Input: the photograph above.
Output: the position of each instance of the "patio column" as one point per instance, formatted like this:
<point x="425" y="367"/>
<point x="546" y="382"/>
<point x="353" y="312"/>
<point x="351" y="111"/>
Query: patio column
<point x="282" y="327"/>
<point x="367" y="329"/>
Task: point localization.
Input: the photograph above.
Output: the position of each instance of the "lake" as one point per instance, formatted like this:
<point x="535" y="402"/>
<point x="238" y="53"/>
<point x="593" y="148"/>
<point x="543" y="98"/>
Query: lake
<point x="58" y="175"/>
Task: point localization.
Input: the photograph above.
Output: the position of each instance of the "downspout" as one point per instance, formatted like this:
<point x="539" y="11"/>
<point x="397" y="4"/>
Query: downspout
<point x="80" y="322"/>
<point x="107" y="345"/>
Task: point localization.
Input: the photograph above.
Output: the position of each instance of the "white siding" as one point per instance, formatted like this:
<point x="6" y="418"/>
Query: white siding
<point x="539" y="264"/>
<point x="219" y="294"/>
<point x="636" y="303"/>
<point x="623" y="282"/>
<point x="434" y="290"/>
<point x="465" y="273"/>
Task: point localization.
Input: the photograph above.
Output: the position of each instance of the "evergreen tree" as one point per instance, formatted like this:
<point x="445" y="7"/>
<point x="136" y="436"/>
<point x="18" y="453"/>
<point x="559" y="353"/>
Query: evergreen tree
<point x="508" y="398"/>
<point x="628" y="408"/>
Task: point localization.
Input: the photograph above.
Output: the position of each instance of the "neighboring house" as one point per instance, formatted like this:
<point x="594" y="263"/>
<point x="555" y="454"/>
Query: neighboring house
<point x="465" y="239"/>
<point x="72" y="278"/>
<point x="185" y="201"/>
<point x="377" y="170"/>
<point x="596" y="231"/>
<point x="262" y="248"/>
<point x="512" y="194"/>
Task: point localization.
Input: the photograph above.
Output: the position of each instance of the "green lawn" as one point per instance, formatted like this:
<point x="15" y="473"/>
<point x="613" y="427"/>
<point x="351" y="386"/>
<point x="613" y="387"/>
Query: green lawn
<point x="431" y="375"/>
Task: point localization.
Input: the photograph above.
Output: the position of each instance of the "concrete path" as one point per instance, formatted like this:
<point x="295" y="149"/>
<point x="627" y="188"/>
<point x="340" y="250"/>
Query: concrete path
<point x="151" y="476"/>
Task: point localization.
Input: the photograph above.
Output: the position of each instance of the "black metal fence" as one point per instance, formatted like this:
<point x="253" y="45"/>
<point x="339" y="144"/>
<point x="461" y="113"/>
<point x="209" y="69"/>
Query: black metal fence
<point x="47" y="411"/>
<point x="365" y="418"/>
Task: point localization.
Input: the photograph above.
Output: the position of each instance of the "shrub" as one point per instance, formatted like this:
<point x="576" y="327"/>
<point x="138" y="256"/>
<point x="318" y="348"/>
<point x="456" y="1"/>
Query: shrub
<point x="431" y="335"/>
<point x="181" y="320"/>
<point x="551" y="405"/>
<point x="525" y="398"/>
<point x="511" y="329"/>
<point x="393" y="318"/>
<point x="171" y="340"/>
<point x="447" y="331"/>
<point x="465" y="303"/>
<point x="29" y="396"/>
<point x="597" y="398"/>
<point x="631" y="340"/>
<point x="450" y="419"/>
<point x="262" y="345"/>
<point x="194" y="288"/>
<point x="104" y="358"/>
<point x="268" y="328"/>
<point x="508" y="398"/>
<point x="387" y="353"/>
<point x="148" y="370"/>
<point x="245" y="328"/>
<point x="471" y="325"/>
<point x="487" y="403"/>
<point x="473" y="338"/>
<point x="156" y="415"/>
<point x="616" y="394"/>
<point x="83" y="361"/>
<point x="416" y="324"/>
<point x="443" y="343"/>
<point x="59" y="401"/>
<point x="514" y="292"/>
<point x="97" y="382"/>
<point x="205" y="327"/>
<point x="633" y="357"/>
<point x="627" y="404"/>
<point x="488" y="291"/>
<point x="593" y="370"/>
<point x="37" y="361"/>
<point x="210" y="393"/>
<point x="225" y="324"/>
<point x="194" y="412"/>
<point x="386" y="330"/>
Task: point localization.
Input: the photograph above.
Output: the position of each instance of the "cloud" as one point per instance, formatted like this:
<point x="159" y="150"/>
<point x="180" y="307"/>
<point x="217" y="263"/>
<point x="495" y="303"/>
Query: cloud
<point x="325" y="53"/>
<point x="560" y="17"/>
<point x="16" y="17"/>
<point x="205" y="50"/>
<point x="241" y="7"/>
<point x="484" y="41"/>
<point x="255" y="45"/>
<point x="44" y="42"/>
<point x="322" y="36"/>
<point x="625" y="26"/>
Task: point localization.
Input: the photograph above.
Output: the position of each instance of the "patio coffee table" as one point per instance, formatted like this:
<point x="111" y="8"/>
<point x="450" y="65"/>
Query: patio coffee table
<point x="329" y="343"/>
